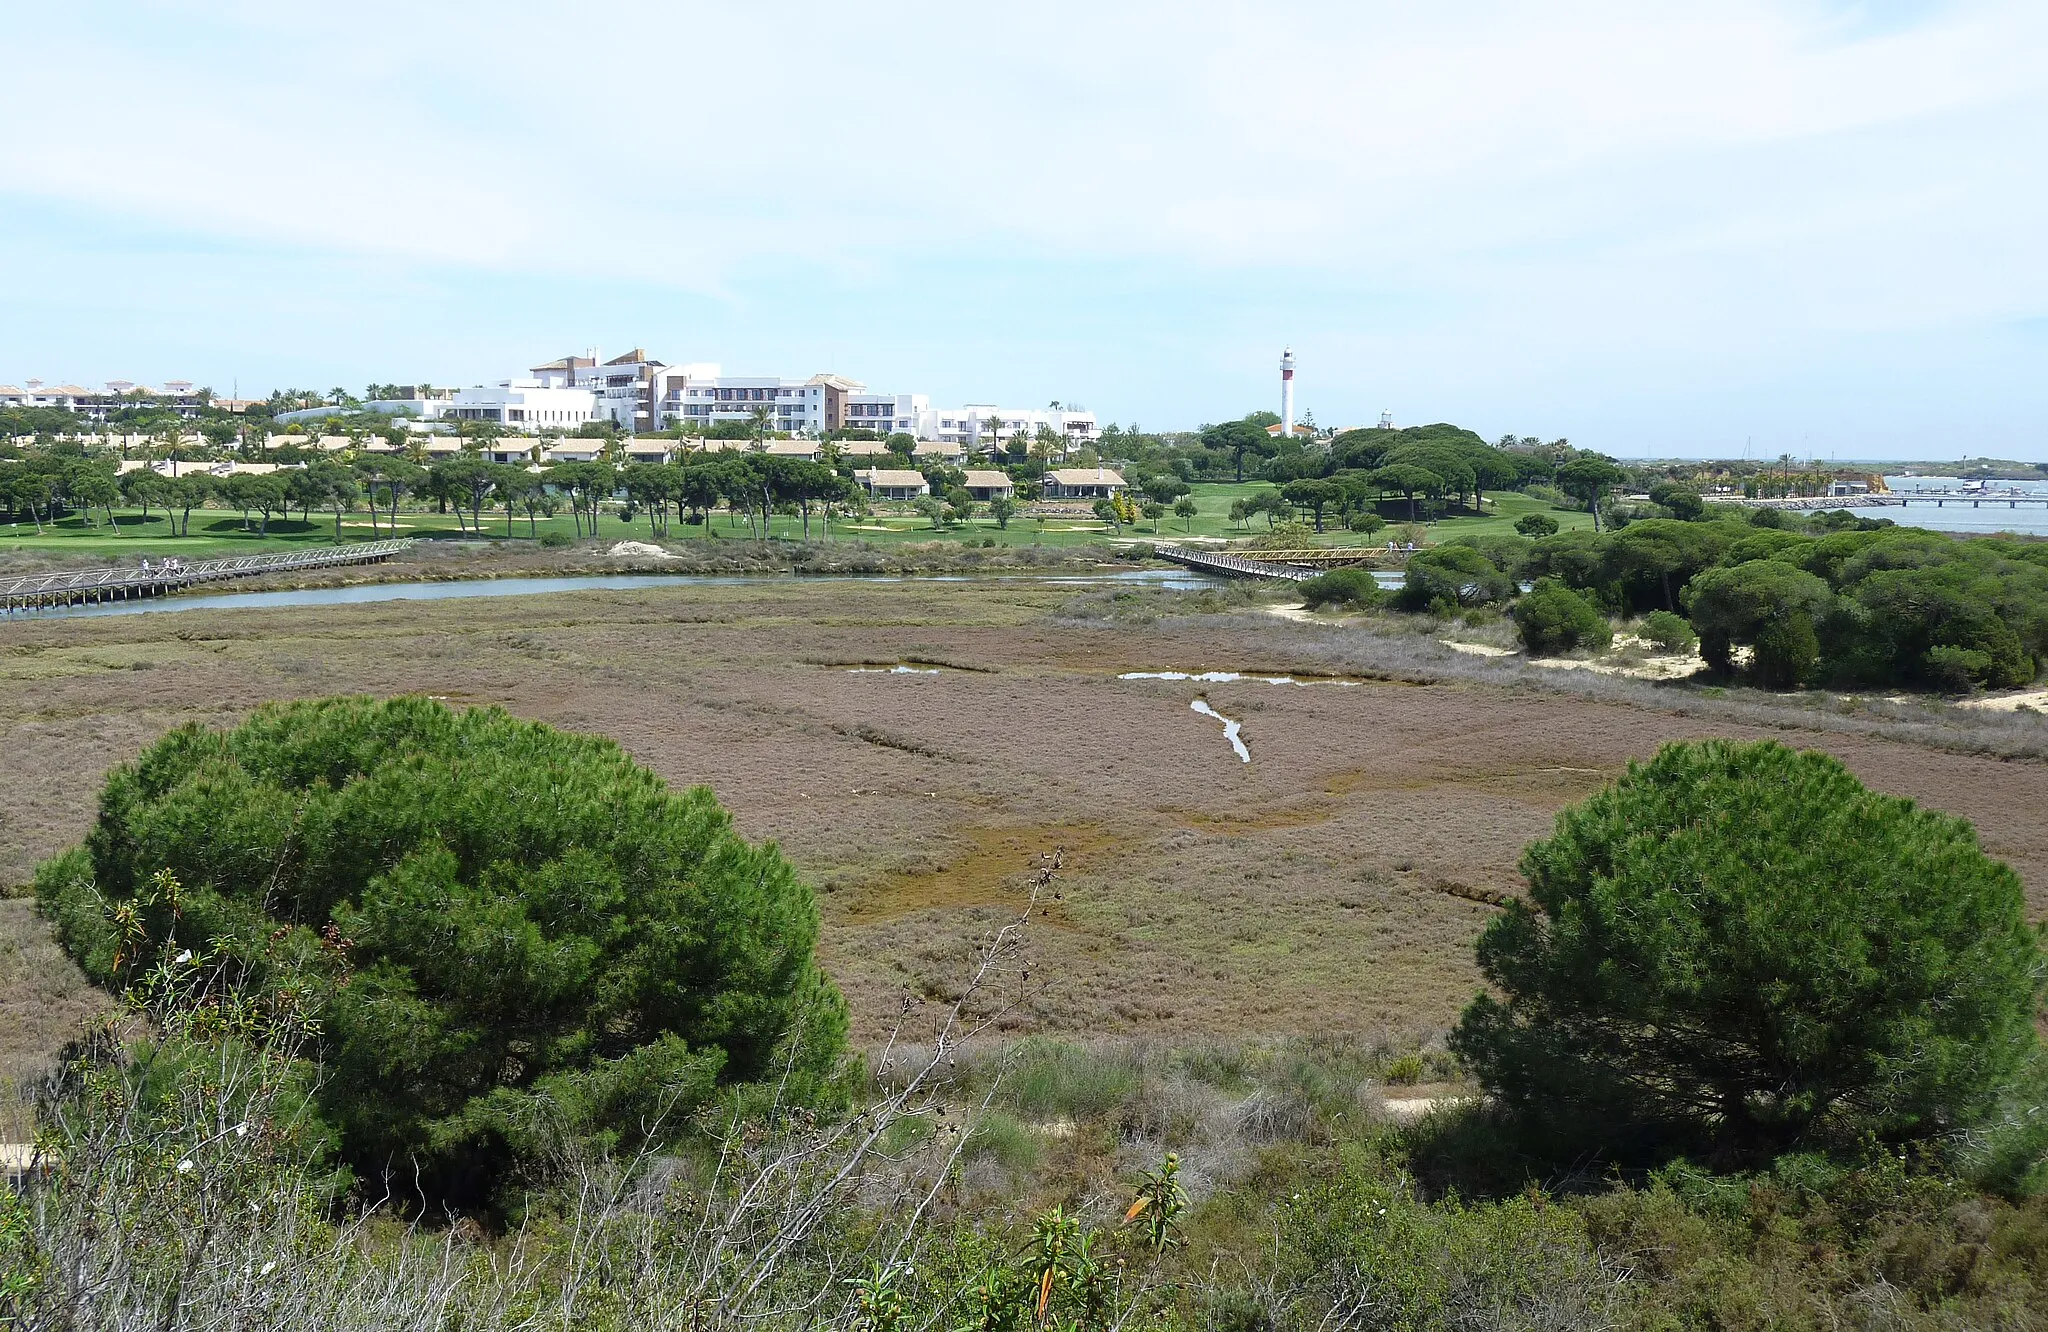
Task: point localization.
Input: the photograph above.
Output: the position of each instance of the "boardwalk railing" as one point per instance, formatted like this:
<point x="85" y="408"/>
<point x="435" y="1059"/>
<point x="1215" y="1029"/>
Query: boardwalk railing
<point x="1333" y="557"/>
<point x="1293" y="565"/>
<point x="1899" y="499"/>
<point x="1232" y="566"/>
<point x="80" y="587"/>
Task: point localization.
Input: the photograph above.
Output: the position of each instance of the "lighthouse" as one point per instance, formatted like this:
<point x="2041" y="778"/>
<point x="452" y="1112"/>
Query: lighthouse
<point x="1287" y="392"/>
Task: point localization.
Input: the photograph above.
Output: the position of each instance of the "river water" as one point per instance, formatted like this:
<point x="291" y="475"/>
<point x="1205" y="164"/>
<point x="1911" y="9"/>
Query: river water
<point x="526" y="587"/>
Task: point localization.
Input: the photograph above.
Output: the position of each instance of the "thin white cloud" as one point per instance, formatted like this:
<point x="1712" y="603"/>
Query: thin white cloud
<point x="677" y="141"/>
<point x="1585" y="200"/>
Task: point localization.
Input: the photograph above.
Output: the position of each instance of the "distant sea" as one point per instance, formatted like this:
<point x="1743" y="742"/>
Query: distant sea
<point x="2031" y="520"/>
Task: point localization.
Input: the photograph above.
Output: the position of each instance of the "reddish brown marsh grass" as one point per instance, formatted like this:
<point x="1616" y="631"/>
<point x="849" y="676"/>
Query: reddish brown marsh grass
<point x="1299" y="892"/>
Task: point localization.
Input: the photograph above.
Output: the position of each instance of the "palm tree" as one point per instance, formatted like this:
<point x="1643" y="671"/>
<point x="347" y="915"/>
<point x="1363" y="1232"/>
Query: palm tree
<point x="173" y="446"/>
<point x="760" y="418"/>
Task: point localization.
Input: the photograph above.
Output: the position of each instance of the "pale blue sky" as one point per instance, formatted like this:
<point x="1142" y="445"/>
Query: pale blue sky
<point x="1786" y="225"/>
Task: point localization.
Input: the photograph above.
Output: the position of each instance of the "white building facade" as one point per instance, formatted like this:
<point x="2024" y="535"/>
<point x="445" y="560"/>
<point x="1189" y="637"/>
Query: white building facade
<point x="984" y="427"/>
<point x="176" y="395"/>
<point x="632" y="391"/>
<point x="524" y="405"/>
<point x="640" y="395"/>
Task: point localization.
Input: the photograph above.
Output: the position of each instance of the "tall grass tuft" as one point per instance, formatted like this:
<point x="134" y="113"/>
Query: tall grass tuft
<point x="1060" y="1079"/>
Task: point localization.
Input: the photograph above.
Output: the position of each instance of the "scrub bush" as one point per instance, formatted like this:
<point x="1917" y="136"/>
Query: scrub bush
<point x="1342" y="587"/>
<point x="1551" y="618"/>
<point x="510" y="933"/>
<point x="1742" y="944"/>
<point x="1668" y="631"/>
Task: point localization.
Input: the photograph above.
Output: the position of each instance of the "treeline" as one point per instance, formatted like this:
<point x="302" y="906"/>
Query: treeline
<point x="1431" y="470"/>
<point x="1840" y="602"/>
<point x="46" y="484"/>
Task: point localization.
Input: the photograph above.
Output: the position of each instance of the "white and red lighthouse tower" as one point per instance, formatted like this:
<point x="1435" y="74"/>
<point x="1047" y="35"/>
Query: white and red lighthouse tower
<point x="1287" y="392"/>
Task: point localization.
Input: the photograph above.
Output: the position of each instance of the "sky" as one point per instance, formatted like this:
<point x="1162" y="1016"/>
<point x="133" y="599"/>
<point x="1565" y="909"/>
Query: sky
<point x="1756" y="226"/>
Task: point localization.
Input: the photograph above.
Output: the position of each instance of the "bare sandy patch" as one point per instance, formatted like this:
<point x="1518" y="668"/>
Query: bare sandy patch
<point x="1482" y="649"/>
<point x="1653" y="666"/>
<point x="2035" y="699"/>
<point x="638" y="550"/>
<point x="1420" y="1102"/>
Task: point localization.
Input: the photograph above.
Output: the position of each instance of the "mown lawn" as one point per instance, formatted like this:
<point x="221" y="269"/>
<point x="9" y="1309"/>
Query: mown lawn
<point x="216" y="533"/>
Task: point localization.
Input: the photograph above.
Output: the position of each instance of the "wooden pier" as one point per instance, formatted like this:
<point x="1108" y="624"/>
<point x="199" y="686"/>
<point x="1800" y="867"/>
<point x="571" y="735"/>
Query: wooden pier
<point x="89" y="587"/>
<point x="1897" y="499"/>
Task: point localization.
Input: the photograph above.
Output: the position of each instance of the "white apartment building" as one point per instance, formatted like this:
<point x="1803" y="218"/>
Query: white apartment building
<point x="641" y="395"/>
<point x="177" y="395"/>
<point x="524" y="405"/>
<point x="981" y="427"/>
<point x="796" y="406"/>
<point x="885" y="413"/>
<point x="635" y="392"/>
<point x="64" y="397"/>
<point x="818" y="405"/>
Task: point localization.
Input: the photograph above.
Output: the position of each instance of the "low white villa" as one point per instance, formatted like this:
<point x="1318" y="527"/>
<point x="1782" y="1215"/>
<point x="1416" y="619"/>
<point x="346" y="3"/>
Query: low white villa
<point x="1087" y="483"/>
<point x="893" y="485"/>
<point x="988" y="485"/>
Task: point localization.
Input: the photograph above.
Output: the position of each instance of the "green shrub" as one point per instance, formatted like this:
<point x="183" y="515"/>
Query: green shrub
<point x="1050" y="1078"/>
<point x="1353" y="1235"/>
<point x="1668" y="631"/>
<point x="1342" y="587"/>
<point x="1406" y="1070"/>
<point x="1453" y="576"/>
<point x="1226" y="1066"/>
<point x="1001" y="1138"/>
<point x="1741" y="943"/>
<point x="1536" y="525"/>
<point x="556" y="540"/>
<point x="1683" y="502"/>
<point x="1770" y="605"/>
<point x="1366" y="521"/>
<point x="540" y="934"/>
<point x="1509" y="554"/>
<point x="1550" y="618"/>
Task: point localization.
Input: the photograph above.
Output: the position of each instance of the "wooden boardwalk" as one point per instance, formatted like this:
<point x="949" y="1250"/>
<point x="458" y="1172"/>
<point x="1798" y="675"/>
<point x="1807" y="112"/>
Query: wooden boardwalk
<point x="1232" y="566"/>
<point x="1292" y="565"/>
<point x="33" y="592"/>
<point x="1898" y="499"/>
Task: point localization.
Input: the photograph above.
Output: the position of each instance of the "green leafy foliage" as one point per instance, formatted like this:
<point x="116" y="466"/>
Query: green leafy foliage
<point x="542" y="936"/>
<point x="1668" y="631"/>
<point x="1452" y="576"/>
<point x="1771" y="606"/>
<point x="1682" y="502"/>
<point x="1536" y="525"/>
<point x="1650" y="562"/>
<point x="1848" y="606"/>
<point x="1342" y="587"/>
<point x="1353" y="1236"/>
<point x="1742" y="944"/>
<point x="1551" y="619"/>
